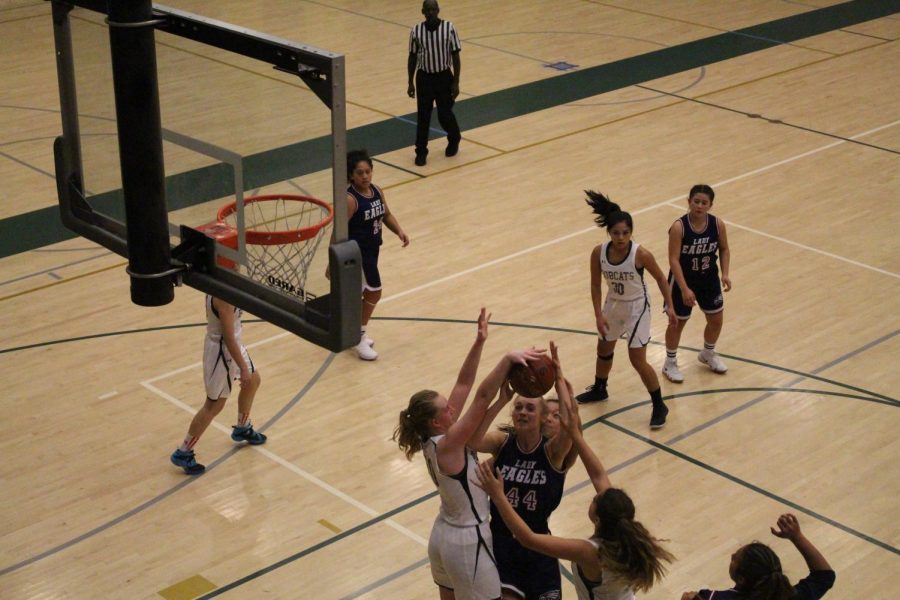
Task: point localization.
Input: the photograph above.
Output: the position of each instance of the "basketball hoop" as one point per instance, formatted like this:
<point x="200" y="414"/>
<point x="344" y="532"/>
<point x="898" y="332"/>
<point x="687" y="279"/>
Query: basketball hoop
<point x="283" y="232"/>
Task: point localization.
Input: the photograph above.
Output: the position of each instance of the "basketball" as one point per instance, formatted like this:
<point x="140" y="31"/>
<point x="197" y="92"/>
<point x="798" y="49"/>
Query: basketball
<point x="535" y="379"/>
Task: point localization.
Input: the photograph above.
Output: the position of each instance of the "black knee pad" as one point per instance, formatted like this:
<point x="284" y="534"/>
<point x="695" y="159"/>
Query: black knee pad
<point x="607" y="357"/>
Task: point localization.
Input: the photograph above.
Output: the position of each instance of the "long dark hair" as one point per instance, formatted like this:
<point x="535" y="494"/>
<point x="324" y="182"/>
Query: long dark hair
<point x="415" y="422"/>
<point x="626" y="547"/>
<point x="608" y="212"/>
<point x="759" y="569"/>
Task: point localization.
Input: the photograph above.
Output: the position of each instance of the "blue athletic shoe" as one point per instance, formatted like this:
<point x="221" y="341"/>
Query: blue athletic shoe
<point x="247" y="434"/>
<point x="186" y="460"/>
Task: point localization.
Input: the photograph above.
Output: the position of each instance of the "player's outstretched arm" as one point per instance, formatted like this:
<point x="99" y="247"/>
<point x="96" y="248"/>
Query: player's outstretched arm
<point x="789" y="528"/>
<point x="450" y="449"/>
<point x="490" y="442"/>
<point x="466" y="378"/>
<point x="560" y="445"/>
<point x="568" y="416"/>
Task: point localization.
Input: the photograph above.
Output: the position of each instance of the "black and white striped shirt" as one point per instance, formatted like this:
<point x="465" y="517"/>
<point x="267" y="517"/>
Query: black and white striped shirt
<point x="434" y="49"/>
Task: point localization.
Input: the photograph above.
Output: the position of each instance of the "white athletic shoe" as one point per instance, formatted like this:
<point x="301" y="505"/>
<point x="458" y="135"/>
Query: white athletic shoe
<point x="670" y="370"/>
<point x="365" y="351"/>
<point x="365" y="338"/>
<point x="712" y="360"/>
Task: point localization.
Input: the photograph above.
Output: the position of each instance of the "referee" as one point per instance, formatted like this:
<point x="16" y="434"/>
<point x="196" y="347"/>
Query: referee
<point x="433" y="46"/>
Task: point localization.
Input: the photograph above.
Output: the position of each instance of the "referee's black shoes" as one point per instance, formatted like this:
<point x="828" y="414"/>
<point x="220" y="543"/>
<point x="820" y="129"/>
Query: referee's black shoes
<point x="452" y="149"/>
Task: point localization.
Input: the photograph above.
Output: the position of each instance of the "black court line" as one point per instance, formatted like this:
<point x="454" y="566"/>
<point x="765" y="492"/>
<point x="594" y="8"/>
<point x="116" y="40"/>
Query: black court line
<point x="42" y="226"/>
<point x="770" y="120"/>
<point x="320" y="545"/>
<point x="878" y="398"/>
<point x="153" y="501"/>
<point x="752" y="487"/>
<point x="398" y="167"/>
<point x="162" y="496"/>
<point x="604" y="420"/>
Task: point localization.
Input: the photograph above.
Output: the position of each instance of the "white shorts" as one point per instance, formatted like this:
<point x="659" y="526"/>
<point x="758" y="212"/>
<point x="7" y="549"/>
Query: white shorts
<point x="462" y="560"/>
<point x="219" y="370"/>
<point x="628" y="319"/>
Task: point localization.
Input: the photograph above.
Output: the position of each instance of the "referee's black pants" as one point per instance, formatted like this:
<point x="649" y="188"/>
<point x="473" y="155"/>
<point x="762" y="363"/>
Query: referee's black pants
<point x="431" y="89"/>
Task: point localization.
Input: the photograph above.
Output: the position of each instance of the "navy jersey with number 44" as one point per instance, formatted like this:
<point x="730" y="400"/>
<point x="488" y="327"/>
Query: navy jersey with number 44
<point x="366" y="223"/>
<point x="699" y="249"/>
<point x="532" y="484"/>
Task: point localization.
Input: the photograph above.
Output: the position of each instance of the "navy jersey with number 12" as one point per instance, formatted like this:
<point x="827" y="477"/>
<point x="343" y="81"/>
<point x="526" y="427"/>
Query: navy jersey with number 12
<point x="699" y="249"/>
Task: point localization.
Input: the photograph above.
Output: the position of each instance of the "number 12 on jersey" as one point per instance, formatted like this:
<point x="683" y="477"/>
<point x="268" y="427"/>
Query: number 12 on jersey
<point x="700" y="265"/>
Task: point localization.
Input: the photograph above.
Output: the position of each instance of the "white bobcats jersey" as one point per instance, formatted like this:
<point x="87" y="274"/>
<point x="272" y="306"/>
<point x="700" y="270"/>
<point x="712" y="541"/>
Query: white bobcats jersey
<point x="463" y="503"/>
<point x="214" y="324"/>
<point x="625" y="281"/>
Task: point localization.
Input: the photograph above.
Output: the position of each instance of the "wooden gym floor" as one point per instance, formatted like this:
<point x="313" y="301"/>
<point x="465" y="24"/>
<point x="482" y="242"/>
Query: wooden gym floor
<point x="800" y="141"/>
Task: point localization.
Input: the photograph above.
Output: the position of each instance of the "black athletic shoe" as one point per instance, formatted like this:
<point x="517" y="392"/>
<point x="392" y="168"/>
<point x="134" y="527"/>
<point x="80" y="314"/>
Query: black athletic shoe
<point x="452" y="149"/>
<point x="593" y="393"/>
<point x="421" y="160"/>
<point x="658" y="417"/>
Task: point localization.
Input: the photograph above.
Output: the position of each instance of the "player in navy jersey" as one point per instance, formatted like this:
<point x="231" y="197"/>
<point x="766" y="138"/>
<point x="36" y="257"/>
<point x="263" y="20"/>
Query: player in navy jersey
<point x="626" y="312"/>
<point x="533" y="468"/>
<point x="695" y="241"/>
<point x="367" y="212"/>
<point x="757" y="575"/>
<point x="621" y="556"/>
<point x="459" y="548"/>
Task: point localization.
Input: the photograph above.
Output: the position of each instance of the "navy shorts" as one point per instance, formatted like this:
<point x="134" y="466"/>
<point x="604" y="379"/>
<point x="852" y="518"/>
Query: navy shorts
<point x="531" y="575"/>
<point x="371" y="276"/>
<point x="708" y="291"/>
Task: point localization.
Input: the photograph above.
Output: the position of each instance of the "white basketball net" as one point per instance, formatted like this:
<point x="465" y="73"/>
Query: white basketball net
<point x="271" y="259"/>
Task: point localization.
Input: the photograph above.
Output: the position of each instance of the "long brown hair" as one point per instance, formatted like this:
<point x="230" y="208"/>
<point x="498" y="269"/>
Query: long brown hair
<point x="415" y="422"/>
<point x="626" y="547"/>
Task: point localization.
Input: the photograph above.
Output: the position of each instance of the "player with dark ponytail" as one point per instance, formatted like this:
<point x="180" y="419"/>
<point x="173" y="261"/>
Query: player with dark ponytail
<point x="757" y="574"/>
<point x="626" y="311"/>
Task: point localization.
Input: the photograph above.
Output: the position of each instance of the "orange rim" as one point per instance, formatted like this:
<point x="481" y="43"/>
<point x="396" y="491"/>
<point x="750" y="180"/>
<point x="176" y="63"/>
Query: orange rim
<point x="287" y="236"/>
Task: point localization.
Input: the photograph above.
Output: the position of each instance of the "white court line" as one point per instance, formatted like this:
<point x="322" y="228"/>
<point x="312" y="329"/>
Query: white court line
<point x="107" y="395"/>
<point x="636" y="212"/>
<point x="148" y="384"/>
<point x="294" y="468"/>
<point x="799" y="245"/>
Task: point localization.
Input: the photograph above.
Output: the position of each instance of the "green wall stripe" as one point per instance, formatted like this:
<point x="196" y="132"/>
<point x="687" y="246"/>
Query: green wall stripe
<point x="41" y="227"/>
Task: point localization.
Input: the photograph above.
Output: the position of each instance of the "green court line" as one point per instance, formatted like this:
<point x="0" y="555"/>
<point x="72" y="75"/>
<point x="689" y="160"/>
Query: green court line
<point x="41" y="227"/>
